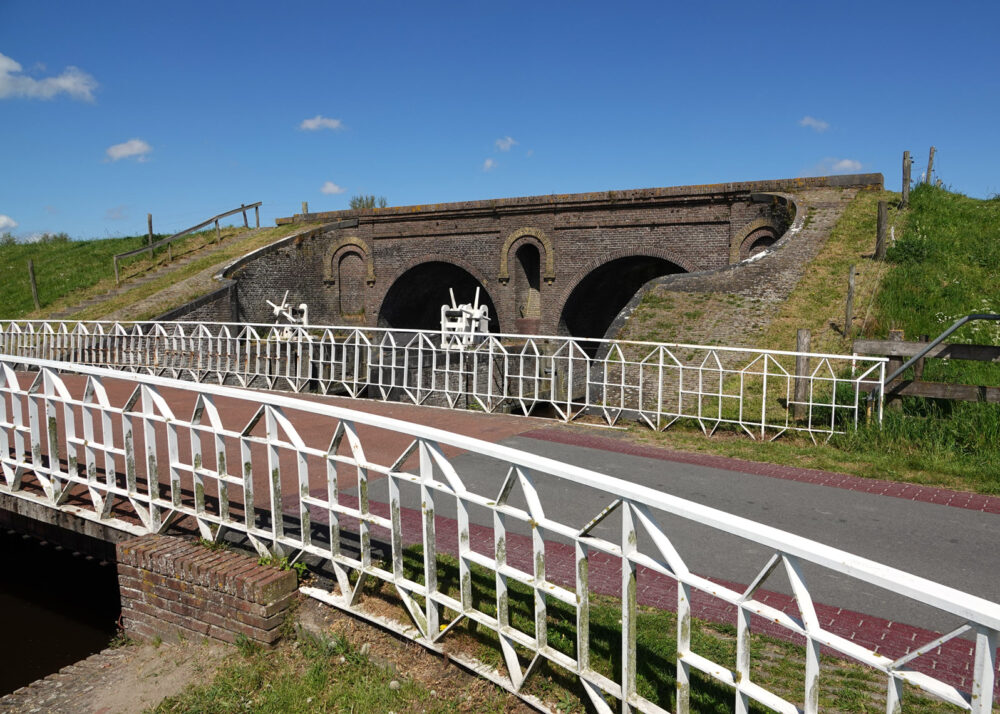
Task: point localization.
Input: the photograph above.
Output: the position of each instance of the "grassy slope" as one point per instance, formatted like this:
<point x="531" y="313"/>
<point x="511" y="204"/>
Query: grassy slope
<point x="944" y="265"/>
<point x="61" y="268"/>
<point x="70" y="272"/>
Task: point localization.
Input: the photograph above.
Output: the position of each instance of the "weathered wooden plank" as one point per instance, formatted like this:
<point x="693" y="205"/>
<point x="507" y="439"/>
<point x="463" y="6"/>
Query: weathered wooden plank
<point x="941" y="390"/>
<point x="889" y="348"/>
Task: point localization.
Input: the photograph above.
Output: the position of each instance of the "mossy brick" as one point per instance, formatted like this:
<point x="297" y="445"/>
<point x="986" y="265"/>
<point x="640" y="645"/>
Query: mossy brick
<point x="274" y="585"/>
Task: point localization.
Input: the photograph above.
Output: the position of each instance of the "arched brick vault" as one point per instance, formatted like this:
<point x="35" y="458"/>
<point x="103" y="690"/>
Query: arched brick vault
<point x="746" y="235"/>
<point x="347" y="245"/>
<point x="537" y="238"/>
<point x="563" y="292"/>
<point x="386" y="286"/>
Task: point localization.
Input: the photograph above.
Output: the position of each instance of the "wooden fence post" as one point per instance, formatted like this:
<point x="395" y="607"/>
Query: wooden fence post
<point x="883" y="223"/>
<point x="244" y="207"/>
<point x="849" y="312"/>
<point x="218" y="233"/>
<point x="906" y="180"/>
<point x="894" y="364"/>
<point x="34" y="285"/>
<point x="802" y="339"/>
<point x="115" y="261"/>
<point x="256" y="215"/>
<point x="918" y="366"/>
<point x="149" y="225"/>
<point x="930" y="165"/>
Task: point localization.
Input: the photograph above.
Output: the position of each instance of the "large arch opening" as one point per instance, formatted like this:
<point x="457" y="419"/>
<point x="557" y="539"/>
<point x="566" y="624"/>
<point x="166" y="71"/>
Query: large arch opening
<point x="414" y="301"/>
<point x="597" y="299"/>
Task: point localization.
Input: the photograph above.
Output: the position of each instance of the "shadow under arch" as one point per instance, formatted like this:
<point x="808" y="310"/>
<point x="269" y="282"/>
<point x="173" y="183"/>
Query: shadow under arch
<point x="595" y="302"/>
<point x="414" y="300"/>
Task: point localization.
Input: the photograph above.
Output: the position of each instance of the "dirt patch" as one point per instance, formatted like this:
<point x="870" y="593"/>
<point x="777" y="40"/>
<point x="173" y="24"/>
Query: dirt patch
<point x="125" y="680"/>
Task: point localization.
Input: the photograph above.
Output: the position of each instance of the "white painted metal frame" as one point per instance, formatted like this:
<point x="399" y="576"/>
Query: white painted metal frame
<point x="750" y="390"/>
<point x="45" y="459"/>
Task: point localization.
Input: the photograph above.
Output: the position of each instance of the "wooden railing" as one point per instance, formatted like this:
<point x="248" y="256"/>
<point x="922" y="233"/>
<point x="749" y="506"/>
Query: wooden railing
<point x="176" y="236"/>
<point x="903" y="355"/>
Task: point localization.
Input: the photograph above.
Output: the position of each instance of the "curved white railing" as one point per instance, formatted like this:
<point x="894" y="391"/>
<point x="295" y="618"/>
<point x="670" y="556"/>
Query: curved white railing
<point x="99" y="441"/>
<point x="763" y="393"/>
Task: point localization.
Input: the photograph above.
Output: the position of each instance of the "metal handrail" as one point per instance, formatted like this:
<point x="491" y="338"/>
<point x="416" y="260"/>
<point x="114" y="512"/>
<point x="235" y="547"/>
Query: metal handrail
<point x="170" y="239"/>
<point x="938" y="340"/>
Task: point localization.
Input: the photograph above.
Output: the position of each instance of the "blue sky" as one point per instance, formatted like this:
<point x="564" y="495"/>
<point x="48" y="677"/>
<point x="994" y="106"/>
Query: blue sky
<point x="185" y="109"/>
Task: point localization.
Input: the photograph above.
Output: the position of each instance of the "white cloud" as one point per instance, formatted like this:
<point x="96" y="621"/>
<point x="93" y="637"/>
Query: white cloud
<point x="7" y="223"/>
<point x="331" y="188"/>
<point x="133" y="148"/>
<point x="320" y="122"/>
<point x="73" y="81"/>
<point x="831" y="165"/>
<point x="489" y="165"/>
<point x="846" y="165"/>
<point x="118" y="213"/>
<point x="505" y="143"/>
<point x="815" y="124"/>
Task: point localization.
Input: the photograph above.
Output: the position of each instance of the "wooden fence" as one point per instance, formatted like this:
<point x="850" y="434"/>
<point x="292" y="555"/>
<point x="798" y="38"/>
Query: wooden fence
<point x="176" y="236"/>
<point x="898" y="350"/>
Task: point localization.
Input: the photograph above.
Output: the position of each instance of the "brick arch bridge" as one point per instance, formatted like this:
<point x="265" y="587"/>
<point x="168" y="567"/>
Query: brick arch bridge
<point x="558" y="264"/>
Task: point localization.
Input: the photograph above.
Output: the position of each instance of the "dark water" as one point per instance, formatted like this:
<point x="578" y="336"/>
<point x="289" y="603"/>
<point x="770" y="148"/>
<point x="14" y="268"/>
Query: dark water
<point x="55" y="609"/>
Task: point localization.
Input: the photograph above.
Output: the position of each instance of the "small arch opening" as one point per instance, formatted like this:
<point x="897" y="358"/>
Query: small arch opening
<point x="757" y="242"/>
<point x="414" y="301"/>
<point x="351" y="284"/>
<point x="527" y="280"/>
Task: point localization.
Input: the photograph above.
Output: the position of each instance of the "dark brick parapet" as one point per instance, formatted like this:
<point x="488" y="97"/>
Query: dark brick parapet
<point x="173" y="587"/>
<point x="596" y="199"/>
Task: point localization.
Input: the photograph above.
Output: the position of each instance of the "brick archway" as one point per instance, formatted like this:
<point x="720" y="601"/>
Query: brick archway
<point x="420" y="287"/>
<point x="536" y="237"/>
<point x="348" y="245"/>
<point x="589" y="305"/>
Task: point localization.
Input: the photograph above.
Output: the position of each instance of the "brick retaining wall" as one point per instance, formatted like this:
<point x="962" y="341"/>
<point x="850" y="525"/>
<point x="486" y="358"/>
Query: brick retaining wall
<point x="172" y="587"/>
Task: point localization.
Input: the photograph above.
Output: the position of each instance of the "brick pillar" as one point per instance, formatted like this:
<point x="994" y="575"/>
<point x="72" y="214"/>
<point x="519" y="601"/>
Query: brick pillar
<point x="172" y="587"/>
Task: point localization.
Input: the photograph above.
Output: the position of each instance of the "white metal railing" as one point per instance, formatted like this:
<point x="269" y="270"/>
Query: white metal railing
<point x="761" y="392"/>
<point x="103" y="442"/>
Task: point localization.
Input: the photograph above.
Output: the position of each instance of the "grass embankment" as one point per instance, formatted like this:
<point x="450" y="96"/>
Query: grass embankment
<point x="68" y="271"/>
<point x="943" y="265"/>
<point x="184" y="283"/>
<point x="331" y="674"/>
<point x="71" y="272"/>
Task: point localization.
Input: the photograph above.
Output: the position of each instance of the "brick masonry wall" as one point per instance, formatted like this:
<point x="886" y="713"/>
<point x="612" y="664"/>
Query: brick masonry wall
<point x="172" y="587"/>
<point x="697" y="228"/>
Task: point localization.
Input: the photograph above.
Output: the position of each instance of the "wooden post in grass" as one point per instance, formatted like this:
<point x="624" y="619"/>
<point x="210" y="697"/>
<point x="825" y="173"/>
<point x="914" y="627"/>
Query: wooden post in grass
<point x="893" y="364"/>
<point x="930" y="165"/>
<point x="256" y="215"/>
<point x="849" y="312"/>
<point x="149" y="226"/>
<point x="918" y="366"/>
<point x="34" y="285"/>
<point x="114" y="260"/>
<point x="883" y="224"/>
<point x="802" y="339"/>
<point x="218" y="233"/>
<point x="906" y="180"/>
<point x="244" y="207"/>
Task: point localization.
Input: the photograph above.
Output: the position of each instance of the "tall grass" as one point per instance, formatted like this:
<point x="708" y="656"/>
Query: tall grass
<point x="945" y="266"/>
<point x="61" y="268"/>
